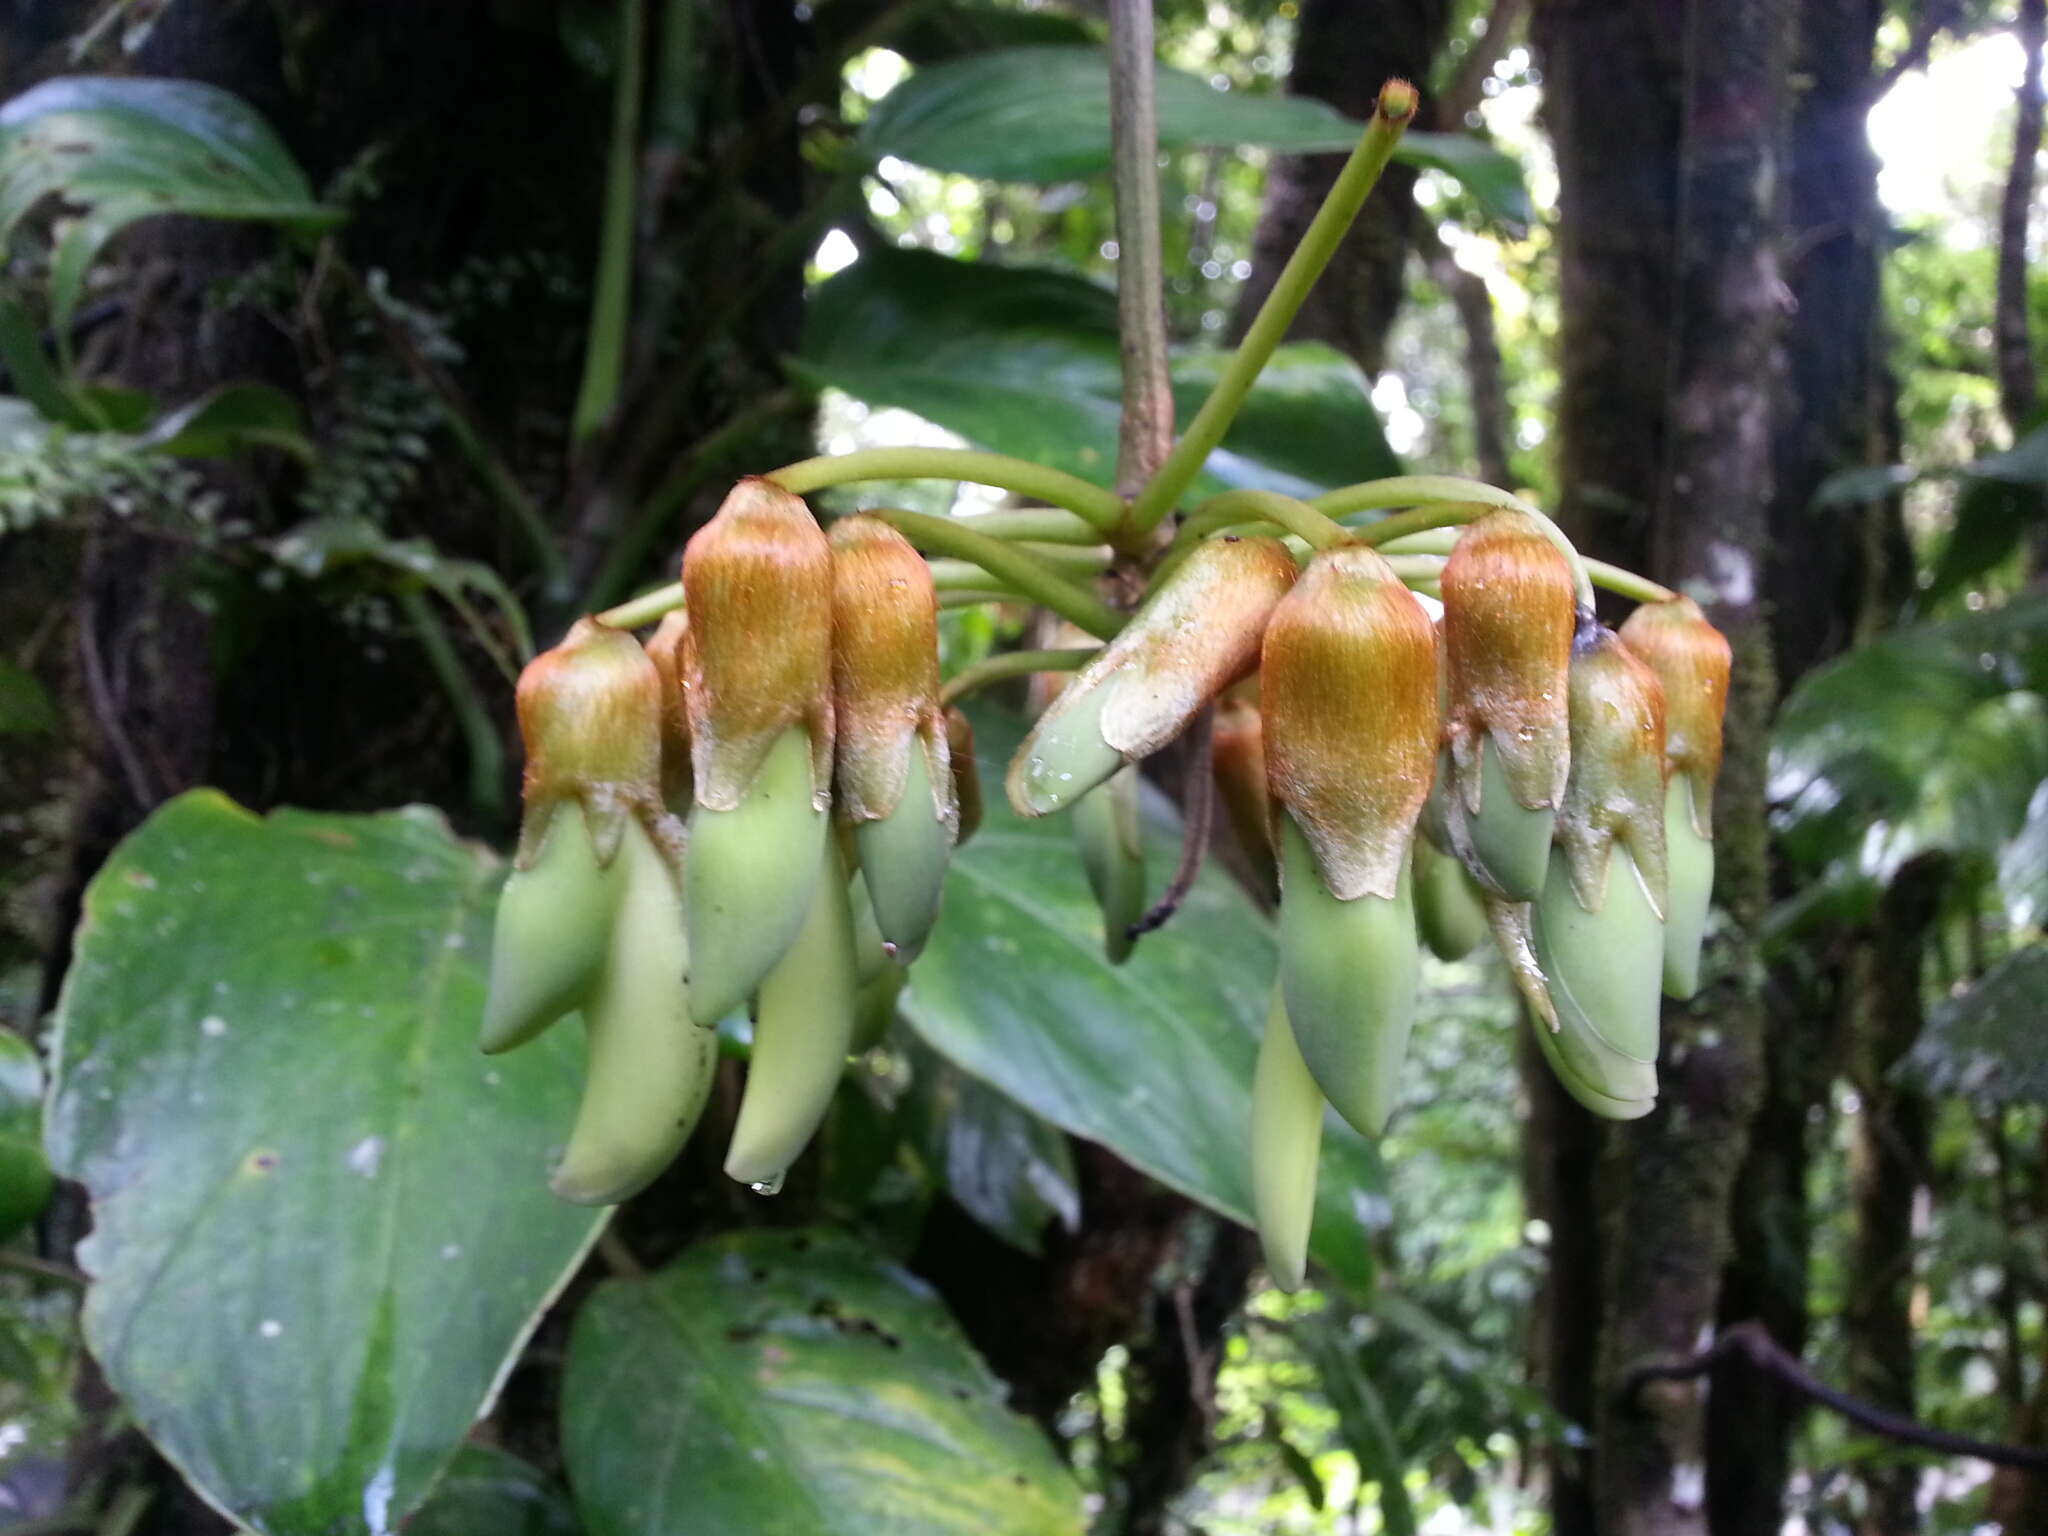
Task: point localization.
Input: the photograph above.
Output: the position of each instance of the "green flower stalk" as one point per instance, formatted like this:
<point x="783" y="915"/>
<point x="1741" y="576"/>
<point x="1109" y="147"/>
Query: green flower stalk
<point x="1509" y="611"/>
<point x="1692" y="660"/>
<point x="758" y="582"/>
<point x="1110" y="839"/>
<point x="894" y="770"/>
<point x="1348" y="699"/>
<point x="1196" y="634"/>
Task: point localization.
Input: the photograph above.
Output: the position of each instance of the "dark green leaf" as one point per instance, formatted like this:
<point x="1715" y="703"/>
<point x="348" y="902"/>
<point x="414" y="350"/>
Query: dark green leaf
<point x="130" y="148"/>
<point x="1888" y="736"/>
<point x="2023" y="869"/>
<point x="1007" y="1168"/>
<point x="330" y="545"/>
<point x="939" y="33"/>
<point x="1025" y="361"/>
<point x="795" y="1381"/>
<point x="24" y="1173"/>
<point x="321" y="1222"/>
<point x="28" y="367"/>
<point x="1041" y="114"/>
<point x="1362" y="1419"/>
<point x="489" y="1492"/>
<point x="1152" y="1058"/>
<point x="1991" y="517"/>
<point x="231" y="417"/>
<point x="25" y="705"/>
<point x="1986" y="1044"/>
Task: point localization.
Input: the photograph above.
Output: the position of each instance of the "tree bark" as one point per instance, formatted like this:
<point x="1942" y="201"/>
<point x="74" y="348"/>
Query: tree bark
<point x="1344" y="51"/>
<point x="2018" y="384"/>
<point x="1670" y="150"/>
<point x="1822" y="587"/>
<point x="1888" y="1159"/>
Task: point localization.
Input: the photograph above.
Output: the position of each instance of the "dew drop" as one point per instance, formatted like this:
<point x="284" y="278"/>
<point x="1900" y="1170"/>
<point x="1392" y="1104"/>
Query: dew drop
<point x="771" y="1186"/>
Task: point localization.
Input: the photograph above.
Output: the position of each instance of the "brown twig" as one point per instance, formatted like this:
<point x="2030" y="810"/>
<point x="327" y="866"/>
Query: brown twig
<point x="2018" y="386"/>
<point x="1936" y="19"/>
<point x="1464" y="90"/>
<point x="1145" y="437"/>
<point x="1749" y="1342"/>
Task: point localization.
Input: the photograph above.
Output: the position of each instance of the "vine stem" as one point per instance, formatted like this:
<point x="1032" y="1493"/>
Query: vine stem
<point x="604" y="354"/>
<point x="1145" y="429"/>
<point x="1102" y="509"/>
<point x="1162" y="493"/>
<point x="1422" y="519"/>
<point x="1414" y="491"/>
<point x="647" y="608"/>
<point x="1008" y="564"/>
<point x="479" y="735"/>
<point x="1009" y="664"/>
<point x="1233" y="508"/>
<point x="1609" y="578"/>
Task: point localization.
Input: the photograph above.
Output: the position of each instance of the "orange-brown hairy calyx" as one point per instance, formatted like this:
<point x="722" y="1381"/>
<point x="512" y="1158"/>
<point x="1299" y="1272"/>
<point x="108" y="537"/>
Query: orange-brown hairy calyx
<point x="1509" y="610"/>
<point x="1348" y="702"/>
<point x="590" y="717"/>
<point x="885" y="670"/>
<point x="758" y="580"/>
<point x="1692" y="660"/>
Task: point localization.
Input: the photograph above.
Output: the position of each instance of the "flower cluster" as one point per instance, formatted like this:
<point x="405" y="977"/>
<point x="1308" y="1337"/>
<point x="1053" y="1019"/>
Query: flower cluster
<point x="678" y="859"/>
<point x="757" y="809"/>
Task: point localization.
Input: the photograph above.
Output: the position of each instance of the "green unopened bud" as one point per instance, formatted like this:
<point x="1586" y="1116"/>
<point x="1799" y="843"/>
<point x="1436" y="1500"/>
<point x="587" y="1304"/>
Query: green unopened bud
<point x="758" y="578"/>
<point x="670" y="653"/>
<point x="1112" y="848"/>
<point x="1287" y="1139"/>
<point x="590" y="718"/>
<point x="1611" y="1084"/>
<point x="1598" y="928"/>
<point x="803" y="1030"/>
<point x="894" y="773"/>
<point x="1194" y="636"/>
<point x="1349" y="970"/>
<point x="1692" y="660"/>
<point x="552" y="932"/>
<point x="1509" y="611"/>
<point x="648" y="1069"/>
<point x="1449" y="907"/>
<point x="1238" y="761"/>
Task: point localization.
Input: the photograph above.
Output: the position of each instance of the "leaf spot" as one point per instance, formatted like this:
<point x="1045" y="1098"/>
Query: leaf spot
<point x="270" y="1328"/>
<point x="366" y="1156"/>
<point x="213" y="1026"/>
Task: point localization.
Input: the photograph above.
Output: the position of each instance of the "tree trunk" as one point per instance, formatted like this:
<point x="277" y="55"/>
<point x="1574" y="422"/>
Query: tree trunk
<point x="1670" y="140"/>
<point x="1888" y="1158"/>
<point x="1820" y="583"/>
<point x="1344" y="51"/>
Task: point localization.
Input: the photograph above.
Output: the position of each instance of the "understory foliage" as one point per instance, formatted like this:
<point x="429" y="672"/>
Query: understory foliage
<point x="349" y="359"/>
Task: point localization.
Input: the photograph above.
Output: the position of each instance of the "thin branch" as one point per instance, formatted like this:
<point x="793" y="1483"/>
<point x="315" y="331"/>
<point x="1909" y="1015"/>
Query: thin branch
<point x="1198" y="813"/>
<point x="108" y="713"/>
<point x="2018" y="384"/>
<point x="1749" y="1341"/>
<point x="1484" y="372"/>
<point x="42" y="1269"/>
<point x="1462" y="92"/>
<point x="1934" y="19"/>
<point x="1145" y="433"/>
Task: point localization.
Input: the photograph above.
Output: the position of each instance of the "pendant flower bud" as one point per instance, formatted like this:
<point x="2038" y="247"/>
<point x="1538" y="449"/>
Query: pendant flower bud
<point x="1237" y="759"/>
<point x="1509" y="611"/>
<point x="1196" y="634"/>
<point x="893" y="772"/>
<point x="669" y="650"/>
<point x="589" y="713"/>
<point x="1348" y="701"/>
<point x="1692" y="660"/>
<point x="758" y="580"/>
<point x="1598" y="927"/>
<point x="1287" y="1138"/>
